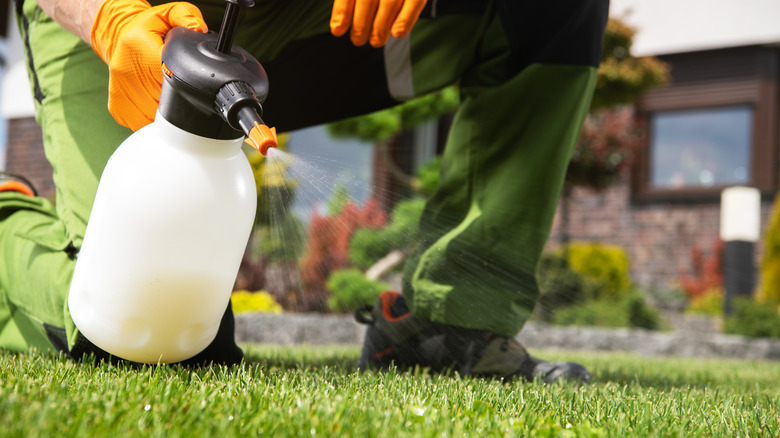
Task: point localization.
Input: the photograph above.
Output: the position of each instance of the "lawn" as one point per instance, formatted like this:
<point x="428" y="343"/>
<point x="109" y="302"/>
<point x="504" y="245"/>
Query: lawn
<point x="306" y="391"/>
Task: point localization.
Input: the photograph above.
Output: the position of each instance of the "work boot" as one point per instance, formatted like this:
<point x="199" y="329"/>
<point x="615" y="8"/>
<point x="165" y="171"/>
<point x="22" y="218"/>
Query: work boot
<point x="10" y="182"/>
<point x="397" y="338"/>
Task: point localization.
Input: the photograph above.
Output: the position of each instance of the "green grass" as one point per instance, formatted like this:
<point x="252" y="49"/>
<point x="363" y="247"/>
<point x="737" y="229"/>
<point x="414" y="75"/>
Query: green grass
<point x="317" y="391"/>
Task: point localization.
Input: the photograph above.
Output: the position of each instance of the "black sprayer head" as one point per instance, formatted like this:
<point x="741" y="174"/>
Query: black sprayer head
<point x="212" y="88"/>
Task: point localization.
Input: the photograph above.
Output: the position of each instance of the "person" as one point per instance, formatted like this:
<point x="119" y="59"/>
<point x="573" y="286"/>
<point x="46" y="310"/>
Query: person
<point x="526" y="71"/>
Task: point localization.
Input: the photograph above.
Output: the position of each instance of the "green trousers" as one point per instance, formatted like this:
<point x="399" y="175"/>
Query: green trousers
<point x="526" y="69"/>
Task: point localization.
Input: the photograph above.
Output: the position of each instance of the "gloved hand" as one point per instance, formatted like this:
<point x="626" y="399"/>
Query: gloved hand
<point x="374" y="20"/>
<point x="128" y="36"/>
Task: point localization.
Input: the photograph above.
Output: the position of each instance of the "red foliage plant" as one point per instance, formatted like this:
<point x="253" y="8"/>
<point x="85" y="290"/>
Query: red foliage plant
<point x="328" y="244"/>
<point x="607" y="145"/>
<point x="707" y="271"/>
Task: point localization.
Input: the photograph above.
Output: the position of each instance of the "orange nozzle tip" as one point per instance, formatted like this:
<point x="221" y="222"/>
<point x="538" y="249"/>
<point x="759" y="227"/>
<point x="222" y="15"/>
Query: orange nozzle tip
<point x="261" y="137"/>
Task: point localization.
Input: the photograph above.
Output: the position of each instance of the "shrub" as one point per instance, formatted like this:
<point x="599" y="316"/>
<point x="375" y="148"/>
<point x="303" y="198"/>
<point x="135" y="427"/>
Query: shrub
<point x="598" y="313"/>
<point x="283" y="241"/>
<point x="630" y="311"/>
<point x="369" y="245"/>
<point x="622" y="77"/>
<point x="607" y="266"/>
<point x="641" y="314"/>
<point x="769" y="291"/>
<point x="707" y="271"/>
<point x="350" y="289"/>
<point x="428" y="175"/>
<point x="254" y="302"/>
<point x="338" y="200"/>
<point x="404" y="221"/>
<point x="559" y="285"/>
<point x="366" y="247"/>
<point x="607" y="145"/>
<point x="329" y="238"/>
<point x="753" y="319"/>
<point x="596" y="294"/>
<point x="708" y="303"/>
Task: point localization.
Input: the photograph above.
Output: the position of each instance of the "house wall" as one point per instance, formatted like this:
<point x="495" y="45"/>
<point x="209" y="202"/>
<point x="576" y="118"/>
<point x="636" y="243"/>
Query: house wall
<point x="658" y="237"/>
<point x="659" y="227"/>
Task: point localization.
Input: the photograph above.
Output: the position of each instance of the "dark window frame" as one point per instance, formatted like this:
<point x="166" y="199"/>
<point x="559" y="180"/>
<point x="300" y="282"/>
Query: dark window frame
<point x="713" y="79"/>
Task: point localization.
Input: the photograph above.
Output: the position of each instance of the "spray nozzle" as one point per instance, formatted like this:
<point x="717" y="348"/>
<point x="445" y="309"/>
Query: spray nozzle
<point x="237" y="104"/>
<point x="261" y="137"/>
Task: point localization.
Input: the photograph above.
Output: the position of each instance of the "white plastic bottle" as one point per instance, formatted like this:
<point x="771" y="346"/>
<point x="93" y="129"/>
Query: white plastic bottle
<point x="168" y="228"/>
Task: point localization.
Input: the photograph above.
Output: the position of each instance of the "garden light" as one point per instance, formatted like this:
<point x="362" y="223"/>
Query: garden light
<point x="740" y="226"/>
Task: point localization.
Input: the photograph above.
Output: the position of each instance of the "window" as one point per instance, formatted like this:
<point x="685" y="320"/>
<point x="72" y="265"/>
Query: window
<point x="715" y="125"/>
<point x="700" y="148"/>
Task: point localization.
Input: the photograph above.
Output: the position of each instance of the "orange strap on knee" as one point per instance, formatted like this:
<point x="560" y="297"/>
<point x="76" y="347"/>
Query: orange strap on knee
<point x="128" y="36"/>
<point x="16" y="186"/>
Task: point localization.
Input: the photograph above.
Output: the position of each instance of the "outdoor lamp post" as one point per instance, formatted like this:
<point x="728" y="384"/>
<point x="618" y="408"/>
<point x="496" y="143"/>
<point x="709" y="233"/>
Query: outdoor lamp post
<point x="740" y="224"/>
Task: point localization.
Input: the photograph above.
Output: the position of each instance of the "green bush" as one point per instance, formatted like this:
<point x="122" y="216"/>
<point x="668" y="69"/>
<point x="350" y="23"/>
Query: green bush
<point x="591" y="288"/>
<point x="607" y="266"/>
<point x="630" y="311"/>
<point x="641" y="314"/>
<point x="338" y="200"/>
<point x="594" y="313"/>
<point x="754" y="319"/>
<point x="351" y="289"/>
<point x="368" y="246"/>
<point x="283" y="241"/>
<point x="254" y="302"/>
<point x="708" y="303"/>
<point x="428" y="175"/>
<point x="559" y="285"/>
<point x="404" y="220"/>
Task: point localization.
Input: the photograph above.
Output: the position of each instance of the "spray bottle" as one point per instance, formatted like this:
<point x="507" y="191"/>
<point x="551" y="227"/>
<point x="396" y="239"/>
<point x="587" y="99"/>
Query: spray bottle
<point x="175" y="205"/>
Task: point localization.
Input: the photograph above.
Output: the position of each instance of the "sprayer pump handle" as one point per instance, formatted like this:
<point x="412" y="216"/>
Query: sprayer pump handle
<point x="229" y="24"/>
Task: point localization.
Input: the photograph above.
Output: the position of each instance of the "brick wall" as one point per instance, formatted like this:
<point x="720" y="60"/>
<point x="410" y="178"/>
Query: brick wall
<point x="24" y="155"/>
<point x="658" y="237"/>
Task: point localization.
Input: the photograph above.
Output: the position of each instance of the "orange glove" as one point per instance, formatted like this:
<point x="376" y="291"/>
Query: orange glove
<point x="374" y="20"/>
<point x="128" y="36"/>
